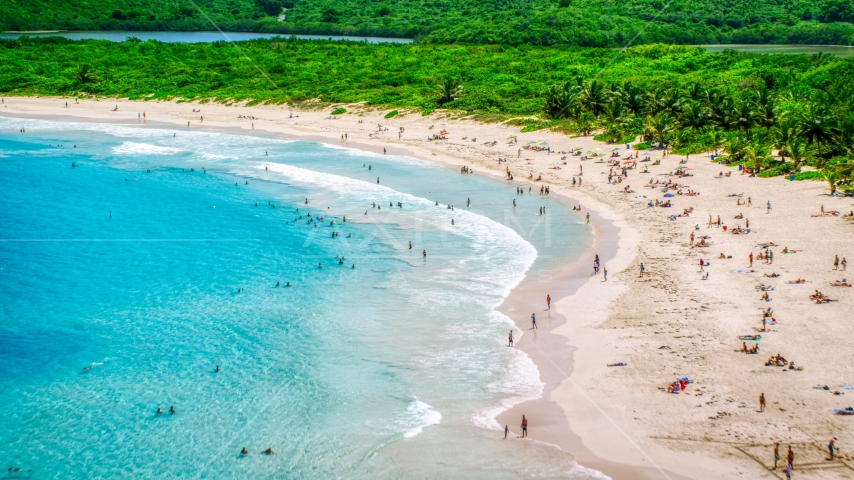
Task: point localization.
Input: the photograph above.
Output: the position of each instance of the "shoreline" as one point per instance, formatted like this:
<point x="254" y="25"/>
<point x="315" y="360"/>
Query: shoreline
<point x="616" y="420"/>
<point x="568" y="281"/>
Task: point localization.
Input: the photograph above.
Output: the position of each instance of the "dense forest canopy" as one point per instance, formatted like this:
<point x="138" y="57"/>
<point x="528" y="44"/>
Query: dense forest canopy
<point x="598" y="23"/>
<point x="695" y="101"/>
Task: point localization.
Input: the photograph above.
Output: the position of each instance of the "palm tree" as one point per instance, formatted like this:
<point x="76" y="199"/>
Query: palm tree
<point x="817" y="126"/>
<point x="659" y="127"/>
<point x="694" y="116"/>
<point x="736" y="147"/>
<point x="830" y="177"/>
<point x="560" y="99"/>
<point x="449" y="89"/>
<point x="758" y="155"/>
<point x="784" y="133"/>
<point x="720" y="108"/>
<point x="672" y="101"/>
<point x="697" y="92"/>
<point x="716" y="138"/>
<point x="594" y="96"/>
<point x="84" y="74"/>
<point x="584" y="123"/>
<point x="797" y="150"/>
<point x="633" y="98"/>
<point x="744" y="116"/>
<point x="765" y="109"/>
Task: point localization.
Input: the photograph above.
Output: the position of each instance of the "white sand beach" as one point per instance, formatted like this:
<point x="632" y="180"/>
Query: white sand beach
<point x="670" y="323"/>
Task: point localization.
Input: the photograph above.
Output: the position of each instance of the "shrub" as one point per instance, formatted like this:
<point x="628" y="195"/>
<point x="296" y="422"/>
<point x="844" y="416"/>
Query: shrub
<point x="391" y="114"/>
<point x="781" y="169"/>
<point x="641" y="146"/>
<point x="339" y="111"/>
<point x="809" y="176"/>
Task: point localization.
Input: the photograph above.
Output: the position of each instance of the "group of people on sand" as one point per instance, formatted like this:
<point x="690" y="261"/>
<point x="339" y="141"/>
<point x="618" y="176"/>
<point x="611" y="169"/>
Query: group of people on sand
<point x="779" y="361"/>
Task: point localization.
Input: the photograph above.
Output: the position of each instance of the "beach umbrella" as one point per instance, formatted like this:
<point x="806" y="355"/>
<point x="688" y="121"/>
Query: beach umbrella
<point x="576" y="149"/>
<point x="680" y="167"/>
<point x="614" y="150"/>
<point x="511" y="136"/>
<point x="668" y="194"/>
<point x="544" y="143"/>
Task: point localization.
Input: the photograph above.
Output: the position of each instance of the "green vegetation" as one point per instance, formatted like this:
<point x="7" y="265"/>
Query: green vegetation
<point x="747" y="106"/>
<point x="339" y="111"/>
<point x="595" y="23"/>
<point x="156" y="15"/>
<point x="391" y="114"/>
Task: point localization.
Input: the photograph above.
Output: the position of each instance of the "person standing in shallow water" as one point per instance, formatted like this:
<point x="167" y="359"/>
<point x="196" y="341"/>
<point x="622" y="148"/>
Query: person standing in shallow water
<point x="524" y="427"/>
<point x="533" y="321"/>
<point x="548" y="302"/>
<point x="510" y="341"/>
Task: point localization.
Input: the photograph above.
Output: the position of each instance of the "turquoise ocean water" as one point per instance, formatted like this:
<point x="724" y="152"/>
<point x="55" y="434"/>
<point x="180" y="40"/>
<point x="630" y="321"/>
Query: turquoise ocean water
<point x="128" y="278"/>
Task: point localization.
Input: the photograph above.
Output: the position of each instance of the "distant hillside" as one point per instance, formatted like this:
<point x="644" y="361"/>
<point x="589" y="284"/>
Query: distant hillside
<point x="545" y="22"/>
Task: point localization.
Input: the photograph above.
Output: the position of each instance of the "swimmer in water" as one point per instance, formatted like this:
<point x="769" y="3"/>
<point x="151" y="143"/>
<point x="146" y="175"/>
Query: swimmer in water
<point x="159" y="410"/>
<point x="354" y="266"/>
<point x="288" y="284"/>
<point x="87" y="367"/>
<point x="172" y="409"/>
<point x="217" y="368"/>
<point x="410" y="244"/>
<point x="244" y="451"/>
<point x="424" y="253"/>
<point x="319" y="265"/>
<point x="269" y="451"/>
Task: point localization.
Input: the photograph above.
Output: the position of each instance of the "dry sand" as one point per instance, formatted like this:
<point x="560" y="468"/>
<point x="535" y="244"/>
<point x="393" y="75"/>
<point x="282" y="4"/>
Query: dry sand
<point x="669" y="324"/>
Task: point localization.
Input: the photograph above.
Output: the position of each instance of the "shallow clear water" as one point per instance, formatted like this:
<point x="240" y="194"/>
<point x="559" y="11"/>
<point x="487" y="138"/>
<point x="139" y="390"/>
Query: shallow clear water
<point x="195" y="37"/>
<point x="130" y="277"/>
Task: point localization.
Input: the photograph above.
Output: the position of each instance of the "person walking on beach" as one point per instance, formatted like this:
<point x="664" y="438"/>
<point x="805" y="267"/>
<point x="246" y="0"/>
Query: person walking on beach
<point x="506" y="431"/>
<point x="836" y="263"/>
<point x="524" y="427"/>
<point x="790" y="459"/>
<point x="605" y="272"/>
<point x="844" y="264"/>
<point x="776" y="454"/>
<point x="510" y="342"/>
<point x="533" y="321"/>
<point x="701" y="264"/>
<point x="768" y="207"/>
<point x="788" y="471"/>
<point x="762" y="400"/>
<point x="642" y="269"/>
<point x="831" y="447"/>
<point x="749" y="203"/>
<point x="548" y="302"/>
<point x="751" y="259"/>
<point x="770" y="258"/>
<point x="588" y="219"/>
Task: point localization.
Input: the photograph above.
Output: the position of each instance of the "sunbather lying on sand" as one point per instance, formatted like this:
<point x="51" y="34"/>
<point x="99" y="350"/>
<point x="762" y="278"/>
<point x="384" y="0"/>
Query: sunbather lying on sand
<point x="840" y="283"/>
<point x="772" y="275"/>
<point x="724" y="256"/>
<point x="795" y="282"/>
